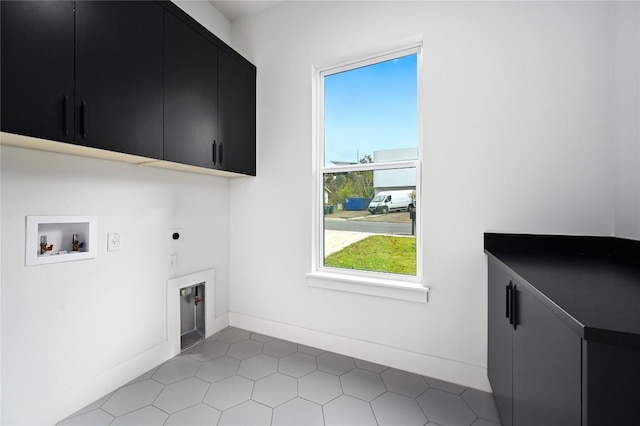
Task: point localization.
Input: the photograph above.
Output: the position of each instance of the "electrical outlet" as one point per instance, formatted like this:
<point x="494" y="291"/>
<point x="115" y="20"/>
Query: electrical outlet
<point x="173" y="261"/>
<point x="113" y="241"/>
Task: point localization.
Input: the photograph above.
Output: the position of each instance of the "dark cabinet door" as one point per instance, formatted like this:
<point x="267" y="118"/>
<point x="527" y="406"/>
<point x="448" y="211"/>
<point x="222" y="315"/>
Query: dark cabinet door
<point x="611" y="378"/>
<point x="546" y="367"/>
<point x="500" y="357"/>
<point x="37" y="68"/>
<point x="191" y="96"/>
<point x="119" y="100"/>
<point x="237" y="119"/>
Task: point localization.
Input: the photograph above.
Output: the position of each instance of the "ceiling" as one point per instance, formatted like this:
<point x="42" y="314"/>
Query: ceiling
<point x="236" y="9"/>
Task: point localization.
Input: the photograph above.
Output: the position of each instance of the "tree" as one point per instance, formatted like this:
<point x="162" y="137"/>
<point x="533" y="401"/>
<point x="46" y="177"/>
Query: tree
<point x="350" y="184"/>
<point x="364" y="180"/>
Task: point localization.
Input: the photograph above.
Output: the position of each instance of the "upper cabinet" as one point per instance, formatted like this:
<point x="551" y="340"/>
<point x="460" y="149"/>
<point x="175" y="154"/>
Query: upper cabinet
<point x="119" y="101"/>
<point x="127" y="77"/>
<point x="111" y="100"/>
<point x="191" y="96"/>
<point x="237" y="104"/>
<point x="37" y="69"/>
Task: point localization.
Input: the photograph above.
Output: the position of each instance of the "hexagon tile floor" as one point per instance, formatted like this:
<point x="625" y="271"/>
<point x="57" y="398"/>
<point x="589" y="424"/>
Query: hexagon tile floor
<point x="241" y="378"/>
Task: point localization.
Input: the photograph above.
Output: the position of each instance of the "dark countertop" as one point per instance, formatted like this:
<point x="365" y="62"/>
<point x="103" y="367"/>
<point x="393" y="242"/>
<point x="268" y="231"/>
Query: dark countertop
<point x="593" y="285"/>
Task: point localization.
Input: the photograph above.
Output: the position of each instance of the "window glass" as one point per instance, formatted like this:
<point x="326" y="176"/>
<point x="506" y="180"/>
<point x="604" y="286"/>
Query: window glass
<point x="369" y="166"/>
<point x="368" y="232"/>
<point x="372" y="108"/>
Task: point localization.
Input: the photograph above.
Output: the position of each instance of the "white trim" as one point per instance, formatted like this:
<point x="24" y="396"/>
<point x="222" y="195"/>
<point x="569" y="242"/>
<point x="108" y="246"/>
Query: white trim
<point x="71" y="399"/>
<point x="380" y="287"/>
<point x="68" y="401"/>
<point x="419" y="193"/>
<point x="317" y="234"/>
<point x="463" y="373"/>
<point x="416" y="48"/>
<point x="359" y="281"/>
<point x="405" y="164"/>
<point x="206" y="277"/>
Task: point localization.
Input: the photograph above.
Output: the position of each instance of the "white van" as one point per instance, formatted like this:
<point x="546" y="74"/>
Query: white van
<point x="387" y="201"/>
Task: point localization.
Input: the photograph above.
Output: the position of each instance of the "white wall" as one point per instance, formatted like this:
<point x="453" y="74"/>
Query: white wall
<point x="72" y="332"/>
<point x="625" y="112"/>
<point x="519" y="119"/>
<point x="516" y="113"/>
<point x="208" y="16"/>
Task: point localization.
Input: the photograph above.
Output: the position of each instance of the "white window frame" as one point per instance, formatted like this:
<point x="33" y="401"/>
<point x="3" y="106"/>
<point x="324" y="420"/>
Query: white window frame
<point x="383" y="284"/>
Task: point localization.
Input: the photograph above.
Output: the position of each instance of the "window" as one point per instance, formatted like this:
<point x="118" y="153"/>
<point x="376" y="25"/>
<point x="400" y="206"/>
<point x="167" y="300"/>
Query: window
<point x="368" y="167"/>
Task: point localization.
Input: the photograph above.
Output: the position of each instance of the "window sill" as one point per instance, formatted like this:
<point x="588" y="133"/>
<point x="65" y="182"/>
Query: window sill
<point x="391" y="289"/>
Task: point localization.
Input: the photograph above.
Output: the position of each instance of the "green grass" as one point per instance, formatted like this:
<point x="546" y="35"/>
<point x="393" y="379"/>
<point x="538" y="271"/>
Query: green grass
<point x="379" y="253"/>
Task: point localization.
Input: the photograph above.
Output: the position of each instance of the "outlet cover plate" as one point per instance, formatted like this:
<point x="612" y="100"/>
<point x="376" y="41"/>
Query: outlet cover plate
<point x="113" y="241"/>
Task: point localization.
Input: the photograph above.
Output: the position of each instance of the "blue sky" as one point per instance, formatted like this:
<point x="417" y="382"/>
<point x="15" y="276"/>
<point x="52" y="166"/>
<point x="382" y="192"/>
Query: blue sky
<point x="371" y="108"/>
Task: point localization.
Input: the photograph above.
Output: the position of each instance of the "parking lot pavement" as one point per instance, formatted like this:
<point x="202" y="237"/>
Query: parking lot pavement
<point x="393" y="217"/>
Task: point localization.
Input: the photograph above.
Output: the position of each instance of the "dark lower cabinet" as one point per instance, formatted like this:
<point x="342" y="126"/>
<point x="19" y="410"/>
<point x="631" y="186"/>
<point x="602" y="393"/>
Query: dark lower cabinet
<point x="500" y="339"/>
<point x="564" y="329"/>
<point x="611" y="379"/>
<point x="534" y="359"/>
<point x="237" y="113"/>
<point x="191" y="97"/>
<point x="546" y="366"/>
<point x="119" y="101"/>
<point x="37" y="45"/>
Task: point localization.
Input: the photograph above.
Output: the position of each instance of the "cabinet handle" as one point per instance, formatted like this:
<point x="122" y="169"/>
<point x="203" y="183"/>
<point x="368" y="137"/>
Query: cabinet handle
<point x="508" y="302"/>
<point x="213" y="156"/>
<point x="85" y="119"/>
<point x="221" y="153"/>
<point x="65" y="126"/>
<point x="514" y="307"/>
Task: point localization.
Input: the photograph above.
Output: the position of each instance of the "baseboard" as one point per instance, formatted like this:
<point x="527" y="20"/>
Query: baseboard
<point x="219" y="323"/>
<point x="72" y="399"/>
<point x="465" y="374"/>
